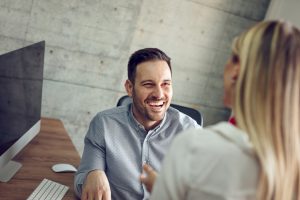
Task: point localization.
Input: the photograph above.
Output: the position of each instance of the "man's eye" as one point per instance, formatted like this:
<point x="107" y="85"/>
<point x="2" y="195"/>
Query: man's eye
<point x="148" y="85"/>
<point x="167" y="84"/>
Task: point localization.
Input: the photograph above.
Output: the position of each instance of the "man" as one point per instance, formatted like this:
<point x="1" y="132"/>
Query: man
<point x="120" y="140"/>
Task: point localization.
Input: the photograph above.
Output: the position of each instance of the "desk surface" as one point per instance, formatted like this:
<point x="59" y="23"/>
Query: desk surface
<point x="51" y="146"/>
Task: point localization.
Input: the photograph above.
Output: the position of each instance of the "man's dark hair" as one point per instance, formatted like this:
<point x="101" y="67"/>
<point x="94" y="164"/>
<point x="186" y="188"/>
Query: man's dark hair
<point x="143" y="55"/>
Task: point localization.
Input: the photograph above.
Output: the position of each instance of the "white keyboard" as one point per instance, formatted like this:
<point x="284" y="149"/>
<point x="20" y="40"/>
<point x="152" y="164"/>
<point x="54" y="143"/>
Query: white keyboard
<point x="48" y="189"/>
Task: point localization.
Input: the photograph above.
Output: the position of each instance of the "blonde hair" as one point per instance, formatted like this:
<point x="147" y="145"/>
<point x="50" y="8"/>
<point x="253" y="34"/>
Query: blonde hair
<point x="267" y="104"/>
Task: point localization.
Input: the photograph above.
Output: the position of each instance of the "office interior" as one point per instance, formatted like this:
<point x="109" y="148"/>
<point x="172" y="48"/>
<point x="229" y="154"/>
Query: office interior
<point x="88" y="44"/>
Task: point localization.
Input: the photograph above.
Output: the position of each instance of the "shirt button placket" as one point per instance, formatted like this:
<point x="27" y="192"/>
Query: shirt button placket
<point x="144" y="151"/>
<point x="145" y="154"/>
<point x="143" y="146"/>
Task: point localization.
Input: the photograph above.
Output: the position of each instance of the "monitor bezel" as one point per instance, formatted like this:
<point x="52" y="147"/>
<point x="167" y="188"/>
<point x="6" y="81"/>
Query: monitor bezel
<point x="8" y="167"/>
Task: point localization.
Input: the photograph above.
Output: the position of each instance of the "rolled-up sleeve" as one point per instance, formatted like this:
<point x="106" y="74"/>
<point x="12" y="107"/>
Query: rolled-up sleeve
<point x="93" y="156"/>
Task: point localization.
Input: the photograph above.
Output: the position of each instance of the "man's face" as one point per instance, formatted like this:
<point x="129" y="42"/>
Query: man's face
<point x="151" y="92"/>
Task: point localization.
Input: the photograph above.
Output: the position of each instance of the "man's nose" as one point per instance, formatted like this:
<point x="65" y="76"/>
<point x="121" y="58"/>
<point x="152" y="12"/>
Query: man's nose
<point x="158" y="92"/>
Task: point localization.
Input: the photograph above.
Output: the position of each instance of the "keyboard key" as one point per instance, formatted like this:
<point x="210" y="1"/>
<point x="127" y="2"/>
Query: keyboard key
<point x="48" y="189"/>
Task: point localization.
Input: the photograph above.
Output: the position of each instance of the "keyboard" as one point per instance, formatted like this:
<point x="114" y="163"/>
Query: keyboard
<point x="48" y="189"/>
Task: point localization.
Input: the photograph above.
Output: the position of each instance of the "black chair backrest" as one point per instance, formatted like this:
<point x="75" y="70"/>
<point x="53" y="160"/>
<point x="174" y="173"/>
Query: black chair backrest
<point x="193" y="113"/>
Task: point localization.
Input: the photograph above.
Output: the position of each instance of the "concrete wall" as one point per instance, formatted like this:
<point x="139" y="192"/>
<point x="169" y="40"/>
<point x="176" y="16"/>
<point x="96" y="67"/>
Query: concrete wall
<point x="88" y="43"/>
<point x="284" y="9"/>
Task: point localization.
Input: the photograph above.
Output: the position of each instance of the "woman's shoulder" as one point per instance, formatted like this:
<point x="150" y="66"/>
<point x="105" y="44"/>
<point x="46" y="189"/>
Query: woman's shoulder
<point x="218" y="138"/>
<point x="221" y="160"/>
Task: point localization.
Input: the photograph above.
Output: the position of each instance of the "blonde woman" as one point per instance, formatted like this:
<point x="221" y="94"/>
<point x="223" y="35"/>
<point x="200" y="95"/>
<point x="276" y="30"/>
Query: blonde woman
<point x="259" y="158"/>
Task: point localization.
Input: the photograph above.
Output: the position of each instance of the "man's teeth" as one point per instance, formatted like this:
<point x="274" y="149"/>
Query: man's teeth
<point x="156" y="104"/>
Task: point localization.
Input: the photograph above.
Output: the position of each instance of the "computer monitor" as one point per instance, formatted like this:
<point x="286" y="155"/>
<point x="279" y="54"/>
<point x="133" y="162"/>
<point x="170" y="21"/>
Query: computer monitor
<point x="21" y="81"/>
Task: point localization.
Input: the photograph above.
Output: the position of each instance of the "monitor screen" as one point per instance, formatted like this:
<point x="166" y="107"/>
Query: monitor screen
<point x="21" y="80"/>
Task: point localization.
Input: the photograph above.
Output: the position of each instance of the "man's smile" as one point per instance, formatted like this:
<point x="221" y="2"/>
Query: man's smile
<point x="156" y="106"/>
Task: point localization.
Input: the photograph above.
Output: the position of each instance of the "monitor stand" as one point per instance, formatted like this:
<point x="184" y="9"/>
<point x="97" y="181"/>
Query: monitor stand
<point x="9" y="170"/>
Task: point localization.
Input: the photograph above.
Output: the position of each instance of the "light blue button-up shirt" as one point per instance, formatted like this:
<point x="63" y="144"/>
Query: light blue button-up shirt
<point x="119" y="145"/>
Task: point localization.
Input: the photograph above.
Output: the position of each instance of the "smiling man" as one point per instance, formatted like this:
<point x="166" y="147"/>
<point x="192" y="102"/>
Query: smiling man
<point x="120" y="140"/>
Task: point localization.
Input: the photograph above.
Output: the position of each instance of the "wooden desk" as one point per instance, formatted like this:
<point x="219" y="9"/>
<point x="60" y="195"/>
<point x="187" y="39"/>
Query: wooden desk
<point x="52" y="145"/>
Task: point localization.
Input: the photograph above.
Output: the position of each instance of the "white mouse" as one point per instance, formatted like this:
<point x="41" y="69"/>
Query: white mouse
<point x="63" y="167"/>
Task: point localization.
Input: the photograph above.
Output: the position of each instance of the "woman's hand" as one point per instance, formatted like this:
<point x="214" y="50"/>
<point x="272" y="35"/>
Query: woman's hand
<point x="149" y="176"/>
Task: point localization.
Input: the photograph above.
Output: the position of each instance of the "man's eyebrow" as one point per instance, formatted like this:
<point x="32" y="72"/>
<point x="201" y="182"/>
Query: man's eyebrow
<point x="147" y="81"/>
<point x="166" y="80"/>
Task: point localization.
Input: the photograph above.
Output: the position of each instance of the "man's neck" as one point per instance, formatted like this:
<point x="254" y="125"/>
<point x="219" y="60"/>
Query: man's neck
<point x="147" y="124"/>
<point x="151" y="125"/>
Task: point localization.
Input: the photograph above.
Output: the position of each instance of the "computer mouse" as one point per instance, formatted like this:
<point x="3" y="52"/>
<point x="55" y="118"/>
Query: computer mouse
<point x="63" y="167"/>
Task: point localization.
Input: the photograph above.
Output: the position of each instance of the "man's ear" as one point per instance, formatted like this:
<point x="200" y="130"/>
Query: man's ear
<point x="129" y="87"/>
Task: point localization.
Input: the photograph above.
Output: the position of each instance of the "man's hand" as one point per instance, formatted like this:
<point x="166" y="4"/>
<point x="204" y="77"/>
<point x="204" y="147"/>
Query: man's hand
<point x="96" y="186"/>
<point x="149" y="178"/>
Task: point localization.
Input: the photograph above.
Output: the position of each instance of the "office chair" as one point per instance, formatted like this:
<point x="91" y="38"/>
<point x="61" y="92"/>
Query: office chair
<point x="193" y="113"/>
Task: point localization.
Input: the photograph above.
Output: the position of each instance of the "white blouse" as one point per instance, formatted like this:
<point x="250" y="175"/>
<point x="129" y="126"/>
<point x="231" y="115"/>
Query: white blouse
<point x="215" y="163"/>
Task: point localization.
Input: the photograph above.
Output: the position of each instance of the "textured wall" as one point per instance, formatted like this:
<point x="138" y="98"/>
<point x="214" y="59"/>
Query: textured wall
<point x="88" y="43"/>
<point x="284" y="9"/>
